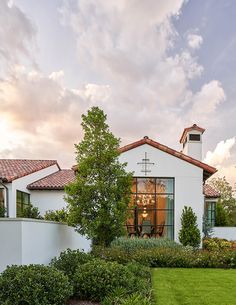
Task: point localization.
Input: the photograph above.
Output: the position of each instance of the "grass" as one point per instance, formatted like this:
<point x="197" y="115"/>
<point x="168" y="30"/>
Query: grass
<point x="194" y="286"/>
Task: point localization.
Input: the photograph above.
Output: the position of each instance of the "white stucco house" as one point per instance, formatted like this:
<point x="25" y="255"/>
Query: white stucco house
<point x="164" y="181"/>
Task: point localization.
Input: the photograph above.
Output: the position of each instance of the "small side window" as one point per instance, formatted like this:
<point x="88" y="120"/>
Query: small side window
<point x="194" y="137"/>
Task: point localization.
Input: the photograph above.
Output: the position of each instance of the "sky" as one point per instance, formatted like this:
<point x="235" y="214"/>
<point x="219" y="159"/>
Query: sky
<point x="154" y="67"/>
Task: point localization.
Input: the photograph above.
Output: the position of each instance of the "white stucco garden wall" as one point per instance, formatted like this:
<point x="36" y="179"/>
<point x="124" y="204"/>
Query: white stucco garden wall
<point x="46" y="200"/>
<point x="228" y="233"/>
<point x="21" y="185"/>
<point x="30" y="241"/>
<point x="188" y="179"/>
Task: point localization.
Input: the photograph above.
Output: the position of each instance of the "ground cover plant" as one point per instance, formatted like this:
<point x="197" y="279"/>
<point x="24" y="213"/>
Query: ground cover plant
<point x="194" y="286"/>
<point x="132" y="244"/>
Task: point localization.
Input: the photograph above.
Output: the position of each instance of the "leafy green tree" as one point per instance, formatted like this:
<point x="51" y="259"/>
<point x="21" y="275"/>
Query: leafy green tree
<point x="222" y="218"/>
<point x="98" y="199"/>
<point x="189" y="234"/>
<point x="227" y="199"/>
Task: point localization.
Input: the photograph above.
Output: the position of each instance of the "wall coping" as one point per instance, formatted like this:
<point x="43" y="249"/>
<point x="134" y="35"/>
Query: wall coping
<point x="31" y="220"/>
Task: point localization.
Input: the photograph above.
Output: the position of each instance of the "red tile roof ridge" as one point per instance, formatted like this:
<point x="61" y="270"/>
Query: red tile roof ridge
<point x="210" y="192"/>
<point x="210" y="169"/>
<point x="12" y="169"/>
<point x="57" y="182"/>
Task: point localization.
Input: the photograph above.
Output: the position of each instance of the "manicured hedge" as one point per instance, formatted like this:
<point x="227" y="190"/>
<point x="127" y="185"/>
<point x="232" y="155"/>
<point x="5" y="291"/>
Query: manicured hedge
<point x="166" y="257"/>
<point x="34" y="285"/>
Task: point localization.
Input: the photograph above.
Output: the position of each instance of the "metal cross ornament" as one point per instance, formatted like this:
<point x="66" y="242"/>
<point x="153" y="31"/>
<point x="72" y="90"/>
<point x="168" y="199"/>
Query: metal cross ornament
<point x="145" y="165"/>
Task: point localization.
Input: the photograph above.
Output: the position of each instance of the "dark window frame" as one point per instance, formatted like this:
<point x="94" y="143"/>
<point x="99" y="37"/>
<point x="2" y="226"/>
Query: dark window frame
<point x="155" y="209"/>
<point x="2" y="203"/>
<point x="194" y="137"/>
<point x="210" y="210"/>
<point x="21" y="204"/>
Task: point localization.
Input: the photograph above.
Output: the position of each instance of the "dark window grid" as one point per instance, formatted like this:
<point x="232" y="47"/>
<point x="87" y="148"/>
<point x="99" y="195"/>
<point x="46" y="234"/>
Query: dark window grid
<point x="157" y="225"/>
<point x="135" y="209"/>
<point x="152" y="194"/>
<point x="194" y="137"/>
<point x="153" y="178"/>
<point x="210" y="211"/>
<point x="20" y="201"/>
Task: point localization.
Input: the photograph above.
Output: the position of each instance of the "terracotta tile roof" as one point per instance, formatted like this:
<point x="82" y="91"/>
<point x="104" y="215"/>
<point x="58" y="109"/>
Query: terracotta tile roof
<point x="208" y="170"/>
<point x="11" y="169"/>
<point x="210" y="192"/>
<point x="194" y="127"/>
<point x="55" y="181"/>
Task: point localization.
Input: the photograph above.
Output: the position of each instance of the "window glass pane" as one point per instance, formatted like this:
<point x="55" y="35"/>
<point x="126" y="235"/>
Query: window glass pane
<point x="2" y="197"/>
<point x="25" y="198"/>
<point x="146" y="200"/>
<point x="165" y="201"/>
<point x="132" y="203"/>
<point x="22" y="199"/>
<point x="164" y="186"/>
<point x="130" y="219"/>
<point x="18" y="209"/>
<point x="146" y="217"/>
<point x="145" y="185"/>
<point x="151" y="208"/>
<point x="134" y="184"/>
<point x="18" y="196"/>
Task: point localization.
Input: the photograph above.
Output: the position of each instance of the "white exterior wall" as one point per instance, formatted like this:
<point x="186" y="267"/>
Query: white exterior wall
<point x="46" y="200"/>
<point x="193" y="148"/>
<point x="188" y="189"/>
<point x="21" y="185"/>
<point x="30" y="241"/>
<point x="228" y="233"/>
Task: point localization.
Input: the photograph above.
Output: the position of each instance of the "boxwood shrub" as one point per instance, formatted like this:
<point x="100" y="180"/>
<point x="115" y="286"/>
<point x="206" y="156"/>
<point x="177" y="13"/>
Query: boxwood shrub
<point x="96" y="279"/>
<point x="69" y="260"/>
<point x="34" y="285"/>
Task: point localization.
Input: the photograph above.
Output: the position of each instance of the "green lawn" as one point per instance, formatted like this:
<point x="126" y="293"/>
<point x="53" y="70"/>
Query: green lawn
<point x="194" y="286"/>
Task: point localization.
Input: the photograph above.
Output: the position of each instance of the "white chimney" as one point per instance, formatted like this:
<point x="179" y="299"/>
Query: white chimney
<point x="192" y="141"/>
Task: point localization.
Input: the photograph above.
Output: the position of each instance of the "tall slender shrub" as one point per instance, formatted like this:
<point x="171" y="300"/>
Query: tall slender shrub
<point x="189" y="234"/>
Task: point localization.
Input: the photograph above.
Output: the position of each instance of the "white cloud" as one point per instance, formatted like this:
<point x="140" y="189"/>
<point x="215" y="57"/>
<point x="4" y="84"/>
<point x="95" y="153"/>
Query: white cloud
<point x="221" y="153"/>
<point x="40" y="117"/>
<point x="124" y="59"/>
<point x="16" y="35"/>
<point x="204" y="103"/>
<point x="194" y="41"/>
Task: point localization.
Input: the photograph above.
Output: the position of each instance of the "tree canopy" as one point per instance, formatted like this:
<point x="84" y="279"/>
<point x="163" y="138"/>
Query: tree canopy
<point x="227" y="200"/>
<point x="98" y="199"/>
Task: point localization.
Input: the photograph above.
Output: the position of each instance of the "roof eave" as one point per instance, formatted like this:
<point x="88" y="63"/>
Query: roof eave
<point x="207" y="169"/>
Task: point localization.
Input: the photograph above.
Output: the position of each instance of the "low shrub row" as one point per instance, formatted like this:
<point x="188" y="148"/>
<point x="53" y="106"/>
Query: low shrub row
<point x="132" y="244"/>
<point x="167" y="257"/>
<point x="78" y="275"/>
<point x="93" y="278"/>
<point x="216" y="244"/>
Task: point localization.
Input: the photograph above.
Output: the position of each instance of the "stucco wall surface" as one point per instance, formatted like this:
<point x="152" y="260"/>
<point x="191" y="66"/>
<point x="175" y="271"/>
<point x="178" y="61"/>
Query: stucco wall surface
<point x="48" y="200"/>
<point x="29" y="241"/>
<point x="225" y="232"/>
<point x="188" y="179"/>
